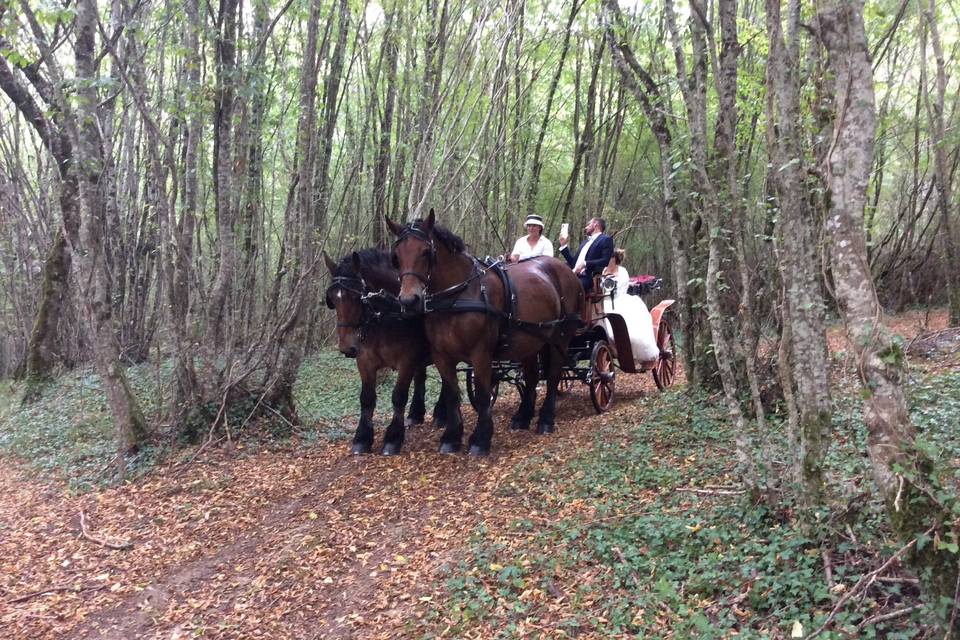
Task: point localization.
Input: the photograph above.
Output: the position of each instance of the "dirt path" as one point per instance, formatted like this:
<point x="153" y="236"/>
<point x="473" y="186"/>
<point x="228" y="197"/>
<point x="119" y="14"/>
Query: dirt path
<point x="309" y="543"/>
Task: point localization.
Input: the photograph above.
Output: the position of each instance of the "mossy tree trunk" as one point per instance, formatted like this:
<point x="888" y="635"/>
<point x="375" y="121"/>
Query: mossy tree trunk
<point x="803" y="309"/>
<point x="902" y="473"/>
<point x="47" y="120"/>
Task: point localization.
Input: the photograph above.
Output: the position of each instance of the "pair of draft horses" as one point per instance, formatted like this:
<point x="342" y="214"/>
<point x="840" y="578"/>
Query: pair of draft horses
<point x="429" y="301"/>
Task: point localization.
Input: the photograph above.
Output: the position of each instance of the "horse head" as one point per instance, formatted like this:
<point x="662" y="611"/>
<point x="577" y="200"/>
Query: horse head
<point x="344" y="296"/>
<point x="414" y="256"/>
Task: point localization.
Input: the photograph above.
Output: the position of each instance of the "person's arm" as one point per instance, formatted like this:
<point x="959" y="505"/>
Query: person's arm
<point x="517" y="248"/>
<point x="565" y="252"/>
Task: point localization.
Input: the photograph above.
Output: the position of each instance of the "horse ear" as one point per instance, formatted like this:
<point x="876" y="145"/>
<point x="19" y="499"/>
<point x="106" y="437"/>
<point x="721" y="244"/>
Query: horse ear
<point x="331" y="265"/>
<point x="355" y="259"/>
<point x="395" y="228"/>
<point x="431" y="219"/>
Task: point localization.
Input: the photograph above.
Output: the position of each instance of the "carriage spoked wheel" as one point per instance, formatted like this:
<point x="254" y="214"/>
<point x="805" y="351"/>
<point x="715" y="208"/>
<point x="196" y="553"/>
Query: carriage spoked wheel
<point x="566" y="385"/>
<point x="472" y="392"/>
<point x="602" y="376"/>
<point x="664" y="372"/>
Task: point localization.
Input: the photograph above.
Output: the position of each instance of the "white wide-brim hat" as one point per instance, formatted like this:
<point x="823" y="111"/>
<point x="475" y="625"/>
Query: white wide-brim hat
<point x="537" y="220"/>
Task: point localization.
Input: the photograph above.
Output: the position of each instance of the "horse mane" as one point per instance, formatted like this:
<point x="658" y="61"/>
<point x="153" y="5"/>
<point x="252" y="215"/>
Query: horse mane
<point x="375" y="267"/>
<point x="444" y="236"/>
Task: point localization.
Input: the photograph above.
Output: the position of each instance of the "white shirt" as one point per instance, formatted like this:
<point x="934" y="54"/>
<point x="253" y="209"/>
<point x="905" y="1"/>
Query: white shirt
<point x="522" y="248"/>
<point x="582" y="256"/>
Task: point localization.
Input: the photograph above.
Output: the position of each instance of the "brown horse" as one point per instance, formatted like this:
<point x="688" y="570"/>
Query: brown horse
<point x="370" y="329"/>
<point x="475" y="313"/>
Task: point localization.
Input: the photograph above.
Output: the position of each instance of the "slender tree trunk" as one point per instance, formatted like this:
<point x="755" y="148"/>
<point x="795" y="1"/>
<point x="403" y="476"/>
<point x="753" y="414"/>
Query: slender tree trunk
<point x="799" y="263"/>
<point x="647" y="93"/>
<point x="901" y="471"/>
<point x="382" y="164"/>
<point x="226" y="66"/>
<point x="535" y="163"/>
<point x="187" y="391"/>
<point x="587" y="135"/>
<point x="939" y="145"/>
<point x="42" y="349"/>
<point x="299" y="326"/>
<point x="92" y="279"/>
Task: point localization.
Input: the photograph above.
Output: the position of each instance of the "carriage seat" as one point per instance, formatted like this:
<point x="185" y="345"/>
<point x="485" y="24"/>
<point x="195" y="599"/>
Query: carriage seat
<point x="593" y="303"/>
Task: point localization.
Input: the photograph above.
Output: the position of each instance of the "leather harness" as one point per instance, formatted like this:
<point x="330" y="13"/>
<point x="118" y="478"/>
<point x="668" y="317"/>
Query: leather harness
<point x="444" y="301"/>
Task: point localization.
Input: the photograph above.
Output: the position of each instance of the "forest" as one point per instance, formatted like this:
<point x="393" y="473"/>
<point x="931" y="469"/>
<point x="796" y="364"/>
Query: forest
<point x="175" y="415"/>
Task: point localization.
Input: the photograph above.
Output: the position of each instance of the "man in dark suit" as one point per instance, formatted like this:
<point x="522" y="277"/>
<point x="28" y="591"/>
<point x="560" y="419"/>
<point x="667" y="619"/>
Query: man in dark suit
<point x="593" y="255"/>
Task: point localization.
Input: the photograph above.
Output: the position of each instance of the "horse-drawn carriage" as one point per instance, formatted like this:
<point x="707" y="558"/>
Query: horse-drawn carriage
<point x="428" y="301"/>
<point x="600" y="347"/>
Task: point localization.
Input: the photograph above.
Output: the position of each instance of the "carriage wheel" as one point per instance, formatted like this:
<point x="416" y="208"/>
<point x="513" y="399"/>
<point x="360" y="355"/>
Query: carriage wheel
<point x="664" y="371"/>
<point x="471" y="390"/>
<point x="566" y="386"/>
<point x="602" y="376"/>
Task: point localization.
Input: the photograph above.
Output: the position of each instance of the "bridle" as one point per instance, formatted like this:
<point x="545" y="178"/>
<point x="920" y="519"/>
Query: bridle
<point x="478" y="270"/>
<point x="411" y="231"/>
<point x="352" y="284"/>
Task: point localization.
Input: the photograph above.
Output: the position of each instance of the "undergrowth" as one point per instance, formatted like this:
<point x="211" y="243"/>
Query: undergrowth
<point x="67" y="432"/>
<point x="618" y="545"/>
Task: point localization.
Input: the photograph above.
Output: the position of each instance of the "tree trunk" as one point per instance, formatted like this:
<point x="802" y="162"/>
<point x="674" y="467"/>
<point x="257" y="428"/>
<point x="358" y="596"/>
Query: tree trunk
<point x="382" y="164"/>
<point x="87" y="246"/>
<point x="656" y="109"/>
<point x="42" y="348"/>
<point x="312" y="214"/>
<point x="803" y="310"/>
<point x="901" y="471"/>
<point x="535" y="164"/>
<point x="223" y="170"/>
<point x="939" y="144"/>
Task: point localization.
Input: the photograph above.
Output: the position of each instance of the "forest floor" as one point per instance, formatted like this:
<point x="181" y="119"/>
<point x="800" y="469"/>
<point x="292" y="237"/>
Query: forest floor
<point x="620" y="524"/>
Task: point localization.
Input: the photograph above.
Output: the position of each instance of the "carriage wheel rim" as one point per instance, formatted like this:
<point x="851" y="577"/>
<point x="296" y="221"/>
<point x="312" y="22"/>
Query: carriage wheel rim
<point x="665" y="368"/>
<point x="602" y="390"/>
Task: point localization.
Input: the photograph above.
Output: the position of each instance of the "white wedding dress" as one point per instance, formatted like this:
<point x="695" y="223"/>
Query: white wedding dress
<point x="637" y="317"/>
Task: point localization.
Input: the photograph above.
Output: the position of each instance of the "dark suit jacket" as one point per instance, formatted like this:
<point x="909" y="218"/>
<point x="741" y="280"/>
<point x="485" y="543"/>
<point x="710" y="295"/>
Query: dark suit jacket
<point x="598" y="257"/>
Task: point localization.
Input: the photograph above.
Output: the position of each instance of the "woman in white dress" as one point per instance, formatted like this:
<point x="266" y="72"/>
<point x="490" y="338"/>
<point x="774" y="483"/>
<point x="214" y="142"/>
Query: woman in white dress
<point x="533" y="244"/>
<point x="632" y="309"/>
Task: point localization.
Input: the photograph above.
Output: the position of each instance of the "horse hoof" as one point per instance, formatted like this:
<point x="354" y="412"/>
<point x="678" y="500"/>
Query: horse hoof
<point x="449" y="447"/>
<point x="546" y="427"/>
<point x="360" y="448"/>
<point x="517" y="425"/>
<point x="391" y="448"/>
<point x="477" y="450"/>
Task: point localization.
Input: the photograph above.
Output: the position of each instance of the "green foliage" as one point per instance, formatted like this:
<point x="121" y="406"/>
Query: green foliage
<point x="649" y="561"/>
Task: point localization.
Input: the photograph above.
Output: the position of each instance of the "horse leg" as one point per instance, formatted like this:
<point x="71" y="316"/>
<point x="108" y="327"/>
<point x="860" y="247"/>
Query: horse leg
<point x="417" y="405"/>
<point x="521" y="419"/>
<point x="440" y="409"/>
<point x="393" y="438"/>
<point x="452" y="437"/>
<point x="483" y="433"/>
<point x="363" y="438"/>
<point x="548" y="410"/>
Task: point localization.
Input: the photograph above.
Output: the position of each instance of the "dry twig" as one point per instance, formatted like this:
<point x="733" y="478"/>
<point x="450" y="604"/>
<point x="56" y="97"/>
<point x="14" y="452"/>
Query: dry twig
<point x="103" y="543"/>
<point x="888" y="616"/>
<point x="863" y="583"/>
<point x="57" y="589"/>
<point x="712" y="492"/>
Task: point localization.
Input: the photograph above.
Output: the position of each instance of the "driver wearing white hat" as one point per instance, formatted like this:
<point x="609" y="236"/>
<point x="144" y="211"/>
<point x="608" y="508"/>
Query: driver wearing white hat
<point x="534" y="243"/>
